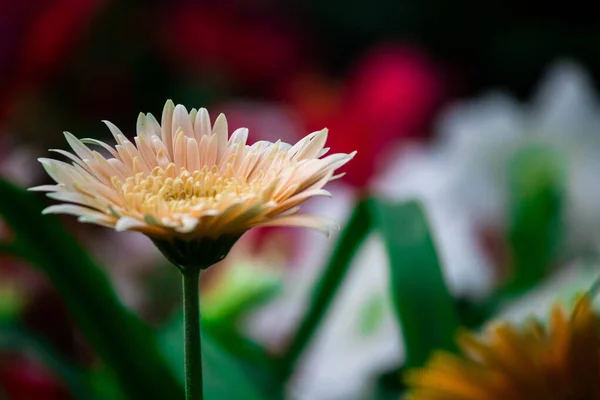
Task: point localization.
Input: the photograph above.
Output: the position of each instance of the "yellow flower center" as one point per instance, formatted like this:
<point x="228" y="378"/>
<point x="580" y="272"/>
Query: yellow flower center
<point x="163" y="193"/>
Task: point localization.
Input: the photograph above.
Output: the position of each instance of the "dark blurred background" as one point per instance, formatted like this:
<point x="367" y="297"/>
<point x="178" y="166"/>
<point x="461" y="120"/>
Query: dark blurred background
<point x="380" y="74"/>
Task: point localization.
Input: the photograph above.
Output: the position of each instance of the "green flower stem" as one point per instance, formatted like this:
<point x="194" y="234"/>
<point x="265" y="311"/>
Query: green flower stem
<point x="192" y="340"/>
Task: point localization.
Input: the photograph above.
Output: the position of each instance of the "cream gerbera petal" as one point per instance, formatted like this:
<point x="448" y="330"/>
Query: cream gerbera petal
<point x="188" y="180"/>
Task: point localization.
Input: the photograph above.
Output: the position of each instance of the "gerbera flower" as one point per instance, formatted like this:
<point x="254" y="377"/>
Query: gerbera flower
<point x="557" y="362"/>
<point x="185" y="183"/>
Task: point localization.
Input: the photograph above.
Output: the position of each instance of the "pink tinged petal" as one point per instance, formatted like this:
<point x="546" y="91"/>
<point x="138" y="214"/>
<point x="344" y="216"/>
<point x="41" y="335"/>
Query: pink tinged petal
<point x="202" y="124"/>
<point x="193" y="157"/>
<point x="188" y="224"/>
<point x="220" y="129"/>
<point x="307" y="221"/>
<point x="79" y="148"/>
<point x="96" y="189"/>
<point x="323" y="152"/>
<point x="162" y="157"/>
<point x="100" y="144"/>
<point x="335" y="161"/>
<point x="135" y="153"/>
<point x="98" y="219"/>
<point x="248" y="164"/>
<point x="181" y="122"/>
<point x="338" y="176"/>
<point x="261" y="145"/>
<point x="295" y="149"/>
<point x="226" y="163"/>
<point x="166" y="127"/>
<point x="242" y="221"/>
<point x="152" y="126"/>
<point x="232" y="216"/>
<point x="239" y="136"/>
<point x="309" y="175"/>
<point x="285" y="181"/>
<point x="231" y="154"/>
<point x="291" y="211"/>
<point x="267" y="193"/>
<point x="203" y="150"/>
<point x="146" y="151"/>
<point x="170" y="170"/>
<point x="180" y="150"/>
<point x="70" y="209"/>
<point x="139" y="166"/>
<point x="192" y="116"/>
<point x="120" y="169"/>
<point x="116" y="132"/>
<point x="285" y="147"/>
<point x="266" y="159"/>
<point x="73" y="197"/>
<point x="212" y="151"/>
<point x="314" y="147"/>
<point x="72" y="157"/>
<point x="125" y="158"/>
<point x="295" y="200"/>
<point x="104" y="170"/>
<point x="285" y="192"/>
<point x="140" y="125"/>
<point x="128" y="223"/>
<point x="59" y="171"/>
<point x="45" y="188"/>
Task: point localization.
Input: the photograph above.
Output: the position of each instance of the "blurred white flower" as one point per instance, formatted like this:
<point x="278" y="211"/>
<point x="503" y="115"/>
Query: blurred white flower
<point x="478" y="140"/>
<point x="430" y="177"/>
<point x="359" y="336"/>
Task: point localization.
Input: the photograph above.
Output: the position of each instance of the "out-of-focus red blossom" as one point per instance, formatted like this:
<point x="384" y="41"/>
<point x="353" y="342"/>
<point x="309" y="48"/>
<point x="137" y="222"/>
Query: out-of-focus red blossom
<point x="250" y="48"/>
<point x="264" y="120"/>
<point x="25" y="379"/>
<point x="390" y="95"/>
<point x="36" y="37"/>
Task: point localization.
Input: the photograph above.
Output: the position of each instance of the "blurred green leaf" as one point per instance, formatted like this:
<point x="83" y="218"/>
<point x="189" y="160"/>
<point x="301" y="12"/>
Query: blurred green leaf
<point x="535" y="206"/>
<point x="371" y="314"/>
<point x="15" y="338"/>
<point x="223" y="376"/>
<point x="104" y="383"/>
<point x="350" y="240"/>
<point x="240" y="287"/>
<point x="253" y="359"/>
<point x="121" y="340"/>
<point x="424" y="307"/>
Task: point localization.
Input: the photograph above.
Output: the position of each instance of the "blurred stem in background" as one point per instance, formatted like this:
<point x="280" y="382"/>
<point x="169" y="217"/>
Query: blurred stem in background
<point x="536" y="200"/>
<point x="324" y="292"/>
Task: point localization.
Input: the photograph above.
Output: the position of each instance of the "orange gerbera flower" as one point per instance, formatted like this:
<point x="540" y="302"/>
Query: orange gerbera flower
<point x="558" y="362"/>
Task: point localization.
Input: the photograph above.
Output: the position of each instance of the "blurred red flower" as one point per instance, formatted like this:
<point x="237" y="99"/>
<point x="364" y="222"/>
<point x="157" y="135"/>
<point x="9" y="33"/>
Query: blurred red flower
<point x="35" y="37"/>
<point x="390" y="95"/>
<point x="25" y="379"/>
<point x="249" y="48"/>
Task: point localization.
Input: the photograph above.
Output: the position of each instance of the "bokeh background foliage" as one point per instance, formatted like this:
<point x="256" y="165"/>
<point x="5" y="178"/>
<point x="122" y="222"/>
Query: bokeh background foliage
<point x="144" y="362"/>
<point x="132" y="350"/>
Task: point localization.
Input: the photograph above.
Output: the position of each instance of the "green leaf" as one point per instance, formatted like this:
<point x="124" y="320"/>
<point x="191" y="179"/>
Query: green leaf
<point x="223" y="376"/>
<point x="16" y="338"/>
<point x="535" y="208"/>
<point x="423" y="304"/>
<point x="121" y="340"/>
<point x="350" y="239"/>
<point x="239" y="287"/>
